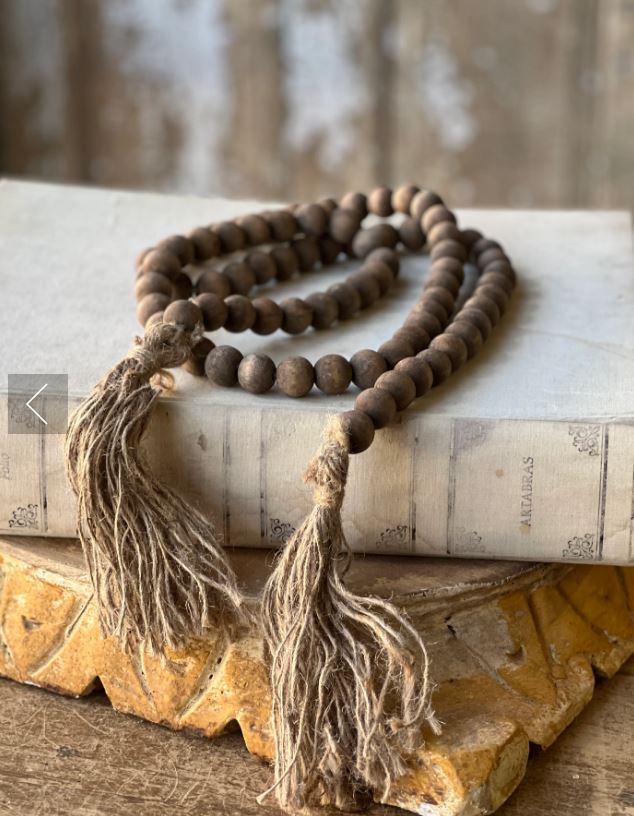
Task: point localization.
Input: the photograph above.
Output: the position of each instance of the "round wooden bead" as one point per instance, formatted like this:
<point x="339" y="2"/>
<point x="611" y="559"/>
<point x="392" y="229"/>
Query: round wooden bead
<point x="439" y="294"/>
<point x="453" y="347"/>
<point x="418" y="371"/>
<point x="295" y="376"/>
<point x="367" y="367"/>
<point x="411" y="235"/>
<point x="357" y="202"/>
<point x="232" y="237"/>
<point x="400" y="386"/>
<point x="255" y="228"/>
<point x="221" y="366"/>
<point x="380" y="235"/>
<point x="449" y="249"/>
<point x="195" y="363"/>
<point x="157" y="317"/>
<point x="214" y="310"/>
<point x="478" y="318"/>
<point x="312" y="219"/>
<point x="161" y="262"/>
<point x="382" y="273"/>
<point x="348" y="299"/>
<point x="138" y="261"/>
<point x="366" y="285"/>
<point x="150" y="305"/>
<point x="469" y="238"/>
<point x="496" y="294"/>
<point x="422" y="201"/>
<point x="380" y="202"/>
<point x="386" y="255"/>
<point x="485" y="304"/>
<point x="297" y="315"/>
<point x="286" y="262"/>
<point x="343" y="225"/>
<point x="327" y="204"/>
<point x="443" y="280"/>
<point x="240" y="276"/>
<point x="452" y="265"/>
<point x="395" y="350"/>
<point x="333" y="374"/>
<point x="444" y="231"/>
<point x="498" y="280"/>
<point x="307" y="250"/>
<point x="268" y="316"/>
<point x="402" y="197"/>
<point x="215" y="283"/>
<point x="241" y="313"/>
<point x="359" y="429"/>
<point x="378" y="404"/>
<point x="490" y="255"/>
<point x="183" y="286"/>
<point x="499" y="267"/>
<point x="180" y="246"/>
<point x="425" y="320"/>
<point x="329" y="250"/>
<point x="416" y="336"/>
<point x="468" y="333"/>
<point x="325" y="309"/>
<point x="439" y="362"/>
<point x="205" y="242"/>
<point x="435" y="308"/>
<point x="183" y="313"/>
<point x="282" y="224"/>
<point x="256" y="373"/>
<point x="152" y="283"/>
<point x="482" y="244"/>
<point x="262" y="266"/>
<point x="437" y="214"/>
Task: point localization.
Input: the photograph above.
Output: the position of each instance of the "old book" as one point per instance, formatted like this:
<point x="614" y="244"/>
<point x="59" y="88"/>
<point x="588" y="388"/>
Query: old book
<point x="526" y="453"/>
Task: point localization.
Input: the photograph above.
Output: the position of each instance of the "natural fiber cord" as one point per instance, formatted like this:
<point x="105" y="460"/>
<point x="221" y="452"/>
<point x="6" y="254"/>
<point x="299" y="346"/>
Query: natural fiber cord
<point x="349" y="674"/>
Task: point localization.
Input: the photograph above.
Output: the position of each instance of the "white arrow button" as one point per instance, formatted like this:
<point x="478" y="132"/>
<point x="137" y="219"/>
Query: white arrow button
<point x="31" y="408"/>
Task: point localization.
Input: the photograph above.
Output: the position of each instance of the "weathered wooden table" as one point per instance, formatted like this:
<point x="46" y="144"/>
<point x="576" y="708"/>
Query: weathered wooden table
<point x="61" y="756"/>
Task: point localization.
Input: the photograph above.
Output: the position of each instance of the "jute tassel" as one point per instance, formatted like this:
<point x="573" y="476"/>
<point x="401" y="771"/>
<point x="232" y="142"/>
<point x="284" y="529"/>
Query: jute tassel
<point x="349" y="674"/>
<point x="159" y="572"/>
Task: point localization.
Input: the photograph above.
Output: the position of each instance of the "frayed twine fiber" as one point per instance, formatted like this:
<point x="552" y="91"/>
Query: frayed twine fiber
<point x="349" y="674"/>
<point x="159" y="571"/>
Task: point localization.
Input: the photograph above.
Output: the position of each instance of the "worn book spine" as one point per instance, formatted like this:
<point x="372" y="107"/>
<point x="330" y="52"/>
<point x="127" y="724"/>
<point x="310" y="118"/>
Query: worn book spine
<point x="432" y="485"/>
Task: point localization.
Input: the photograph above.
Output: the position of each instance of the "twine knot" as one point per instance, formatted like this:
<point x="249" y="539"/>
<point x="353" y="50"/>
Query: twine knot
<point x="164" y="345"/>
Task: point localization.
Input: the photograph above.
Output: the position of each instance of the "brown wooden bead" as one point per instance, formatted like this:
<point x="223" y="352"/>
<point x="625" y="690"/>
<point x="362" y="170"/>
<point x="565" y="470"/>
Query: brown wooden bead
<point x="416" y="336"/>
<point x="241" y="313"/>
<point x="444" y="231"/>
<point x="449" y="249"/>
<point x="295" y="376"/>
<point x="439" y="362"/>
<point x="380" y="235"/>
<point x="256" y="373"/>
<point x="150" y="305"/>
<point x="500" y="267"/>
<point x="325" y="309"/>
<point x="262" y="266"/>
<point x="221" y="365"/>
<point x="378" y="404"/>
<point x="180" y="246"/>
<point x="418" y="371"/>
<point x="286" y="262"/>
<point x="490" y="255"/>
<point x="400" y="386"/>
<point x="359" y="429"/>
<point x="380" y="202"/>
<point x="388" y="256"/>
<point x="152" y="283"/>
<point x="348" y="299"/>
<point x="195" y="363"/>
<point x="161" y="262"/>
<point x="329" y="250"/>
<point x="452" y="265"/>
<point x="496" y="294"/>
<point x="441" y="294"/>
<point x="395" y="350"/>
<point x="411" y="235"/>
<point x="183" y="287"/>
<point x="256" y="228"/>
<point x="240" y="276"/>
<point x="469" y="238"/>
<point x="357" y="202"/>
<point x="214" y="282"/>
<point x="205" y="242"/>
<point x="497" y="279"/>
<point x="453" y="346"/>
<point x="157" y="317"/>
<point x="307" y="250"/>
<point x="468" y="333"/>
<point x="312" y="219"/>
<point x="479" y="319"/>
<point x="343" y="225"/>
<point x="298" y="315"/>
<point x="183" y="313"/>
<point x="367" y="367"/>
<point x="438" y="214"/>
<point x="282" y="224"/>
<point x="422" y="201"/>
<point x="435" y="308"/>
<point x="443" y="280"/>
<point x="268" y="316"/>
<point x="333" y="374"/>
<point x="366" y="285"/>
<point x="214" y="310"/>
<point x="138" y="261"/>
<point x="402" y="197"/>
<point x="426" y="320"/>
<point x="382" y="273"/>
<point x="232" y="237"/>
<point x="485" y="304"/>
<point x="482" y="244"/>
<point x="328" y="204"/>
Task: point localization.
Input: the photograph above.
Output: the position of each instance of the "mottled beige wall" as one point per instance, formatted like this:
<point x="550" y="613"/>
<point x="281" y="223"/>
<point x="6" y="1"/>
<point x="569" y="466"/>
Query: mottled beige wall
<point x="495" y="102"/>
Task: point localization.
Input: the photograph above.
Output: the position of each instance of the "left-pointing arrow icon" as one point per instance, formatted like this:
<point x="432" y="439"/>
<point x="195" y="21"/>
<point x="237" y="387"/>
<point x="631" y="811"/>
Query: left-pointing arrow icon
<point x="31" y="408"/>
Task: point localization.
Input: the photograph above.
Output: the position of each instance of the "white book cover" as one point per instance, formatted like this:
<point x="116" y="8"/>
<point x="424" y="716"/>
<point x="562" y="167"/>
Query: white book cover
<point x="527" y="452"/>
